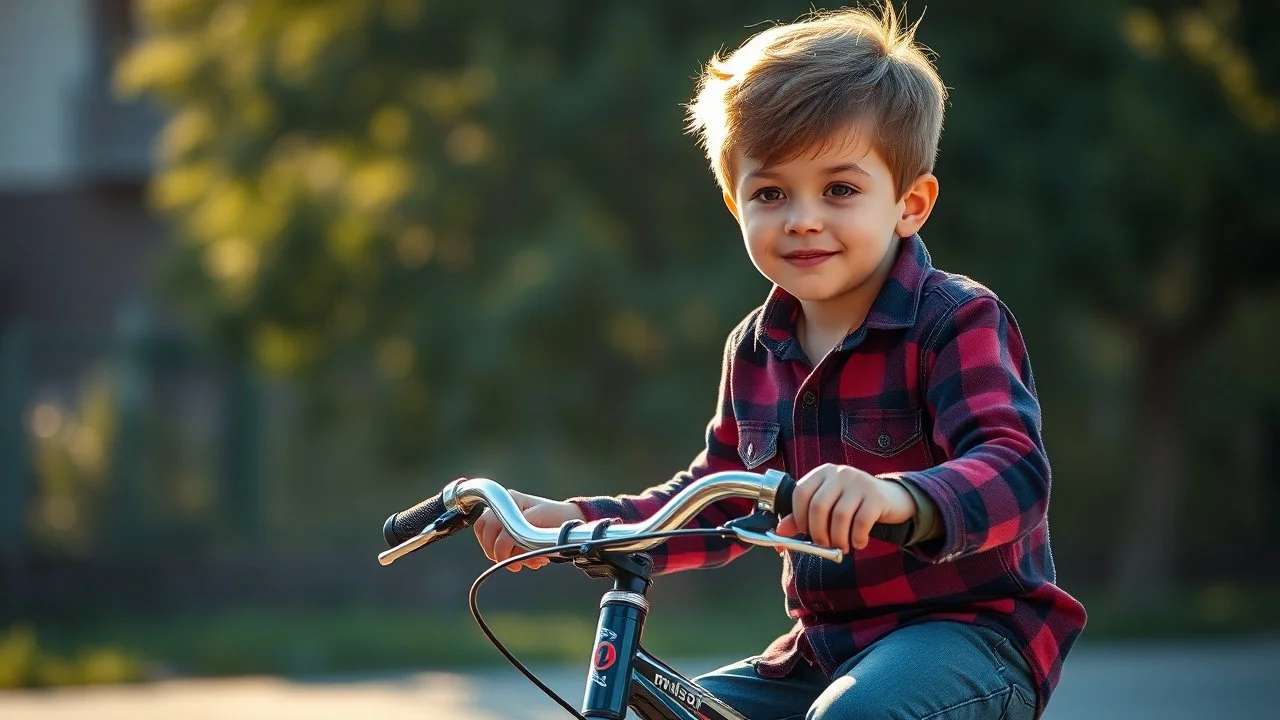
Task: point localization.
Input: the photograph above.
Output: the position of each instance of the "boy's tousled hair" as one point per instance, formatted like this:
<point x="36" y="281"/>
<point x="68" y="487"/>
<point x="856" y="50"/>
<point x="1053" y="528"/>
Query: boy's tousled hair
<point x="795" y="86"/>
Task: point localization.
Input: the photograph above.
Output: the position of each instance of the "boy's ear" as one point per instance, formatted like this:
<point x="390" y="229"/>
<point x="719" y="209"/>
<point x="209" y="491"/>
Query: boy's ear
<point x="917" y="202"/>
<point x="731" y="204"/>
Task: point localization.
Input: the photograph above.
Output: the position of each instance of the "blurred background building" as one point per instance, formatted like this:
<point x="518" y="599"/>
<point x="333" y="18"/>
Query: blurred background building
<point x="73" y="164"/>
<point x="77" y="235"/>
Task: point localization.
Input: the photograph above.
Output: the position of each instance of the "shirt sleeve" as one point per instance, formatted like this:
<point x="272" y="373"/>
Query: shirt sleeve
<point x="925" y="525"/>
<point x="994" y="488"/>
<point x="720" y="454"/>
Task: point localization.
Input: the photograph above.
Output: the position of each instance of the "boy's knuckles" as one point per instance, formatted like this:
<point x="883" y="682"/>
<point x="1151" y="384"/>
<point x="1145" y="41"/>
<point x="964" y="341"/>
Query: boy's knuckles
<point x="825" y="497"/>
<point x="490" y="535"/>
<point x="819" y="529"/>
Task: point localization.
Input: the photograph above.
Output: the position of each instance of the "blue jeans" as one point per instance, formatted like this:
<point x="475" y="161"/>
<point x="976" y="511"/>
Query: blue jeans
<point x="932" y="670"/>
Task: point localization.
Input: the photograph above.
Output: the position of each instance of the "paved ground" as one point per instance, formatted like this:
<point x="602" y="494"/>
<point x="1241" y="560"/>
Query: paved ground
<point x="1170" y="681"/>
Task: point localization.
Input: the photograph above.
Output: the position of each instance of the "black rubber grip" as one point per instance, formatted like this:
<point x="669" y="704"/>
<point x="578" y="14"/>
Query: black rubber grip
<point x="782" y="499"/>
<point x="898" y="534"/>
<point x="407" y="523"/>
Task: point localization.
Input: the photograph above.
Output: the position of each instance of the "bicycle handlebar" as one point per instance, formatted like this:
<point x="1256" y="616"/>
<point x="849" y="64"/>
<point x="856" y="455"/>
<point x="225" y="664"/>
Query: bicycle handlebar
<point x="459" y="504"/>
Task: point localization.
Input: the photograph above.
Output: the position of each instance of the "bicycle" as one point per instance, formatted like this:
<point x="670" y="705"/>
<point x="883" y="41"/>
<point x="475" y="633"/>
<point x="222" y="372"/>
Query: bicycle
<point x="621" y="674"/>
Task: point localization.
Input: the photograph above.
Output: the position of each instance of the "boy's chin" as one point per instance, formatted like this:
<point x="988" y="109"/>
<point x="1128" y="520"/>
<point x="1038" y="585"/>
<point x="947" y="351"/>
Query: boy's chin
<point x="812" y="291"/>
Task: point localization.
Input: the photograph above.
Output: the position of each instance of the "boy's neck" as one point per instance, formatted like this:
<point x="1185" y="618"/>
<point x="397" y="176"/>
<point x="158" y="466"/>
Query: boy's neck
<point x="823" y="324"/>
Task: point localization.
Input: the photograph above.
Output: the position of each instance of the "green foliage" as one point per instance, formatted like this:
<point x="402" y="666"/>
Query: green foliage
<point x="23" y="663"/>
<point x="1114" y="151"/>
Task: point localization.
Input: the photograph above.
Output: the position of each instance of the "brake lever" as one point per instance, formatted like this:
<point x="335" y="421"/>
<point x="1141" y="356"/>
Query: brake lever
<point x="768" y="538"/>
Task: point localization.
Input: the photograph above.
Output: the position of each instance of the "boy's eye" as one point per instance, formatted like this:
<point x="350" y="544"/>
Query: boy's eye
<point x="769" y="194"/>
<point x="842" y="190"/>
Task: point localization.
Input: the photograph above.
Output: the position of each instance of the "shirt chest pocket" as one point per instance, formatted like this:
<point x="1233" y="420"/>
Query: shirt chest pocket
<point x="757" y="442"/>
<point x="881" y="440"/>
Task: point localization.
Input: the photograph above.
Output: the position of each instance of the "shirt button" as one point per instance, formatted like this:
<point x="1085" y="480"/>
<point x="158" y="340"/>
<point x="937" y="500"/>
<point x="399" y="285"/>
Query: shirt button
<point x="884" y="441"/>
<point x="809" y="398"/>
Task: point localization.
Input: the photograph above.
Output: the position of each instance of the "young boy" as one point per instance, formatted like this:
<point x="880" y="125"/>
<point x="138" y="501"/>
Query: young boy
<point x="896" y="392"/>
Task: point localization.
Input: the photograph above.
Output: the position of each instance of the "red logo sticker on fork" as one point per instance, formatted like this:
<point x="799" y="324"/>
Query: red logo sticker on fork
<point x="606" y="655"/>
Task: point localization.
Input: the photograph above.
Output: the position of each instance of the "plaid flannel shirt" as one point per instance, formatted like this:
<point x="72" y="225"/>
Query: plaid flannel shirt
<point x="934" y="389"/>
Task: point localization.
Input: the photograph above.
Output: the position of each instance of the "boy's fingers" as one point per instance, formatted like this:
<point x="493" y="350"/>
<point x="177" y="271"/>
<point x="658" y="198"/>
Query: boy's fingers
<point x="504" y="547"/>
<point x="787" y="527"/>
<point x="863" y="521"/>
<point x="487" y="530"/>
<point x="820" y="511"/>
<point x="800" y="503"/>
<point x="842" y="518"/>
<point x="800" y="517"/>
<point x="808" y="486"/>
<point x="492" y="550"/>
<point x="532" y="563"/>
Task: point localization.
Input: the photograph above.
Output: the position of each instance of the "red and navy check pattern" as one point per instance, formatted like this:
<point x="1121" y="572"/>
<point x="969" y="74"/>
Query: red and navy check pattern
<point x="934" y="388"/>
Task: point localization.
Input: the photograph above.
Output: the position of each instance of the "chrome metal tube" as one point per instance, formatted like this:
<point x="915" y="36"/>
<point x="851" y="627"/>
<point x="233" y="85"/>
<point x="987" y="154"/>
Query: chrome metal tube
<point x="678" y="511"/>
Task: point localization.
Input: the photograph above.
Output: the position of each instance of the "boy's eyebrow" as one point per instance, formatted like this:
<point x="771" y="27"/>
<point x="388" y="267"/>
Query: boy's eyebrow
<point x="847" y="167"/>
<point x="832" y="170"/>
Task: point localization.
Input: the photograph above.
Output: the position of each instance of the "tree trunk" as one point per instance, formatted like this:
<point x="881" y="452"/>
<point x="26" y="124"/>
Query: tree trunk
<point x="1145" y="564"/>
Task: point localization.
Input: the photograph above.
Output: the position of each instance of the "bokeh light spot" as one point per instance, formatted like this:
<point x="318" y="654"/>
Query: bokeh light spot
<point x="395" y="357"/>
<point x="46" y="420"/>
<point x="468" y="144"/>
<point x="389" y="128"/>
<point x="415" y="246"/>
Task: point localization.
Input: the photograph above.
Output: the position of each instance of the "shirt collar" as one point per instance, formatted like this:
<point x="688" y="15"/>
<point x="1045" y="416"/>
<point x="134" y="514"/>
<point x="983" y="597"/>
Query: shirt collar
<point x="895" y="305"/>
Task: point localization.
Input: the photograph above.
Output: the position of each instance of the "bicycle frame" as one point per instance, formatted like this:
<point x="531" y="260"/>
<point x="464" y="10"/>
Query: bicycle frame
<point x="622" y="674"/>
<point x="659" y="692"/>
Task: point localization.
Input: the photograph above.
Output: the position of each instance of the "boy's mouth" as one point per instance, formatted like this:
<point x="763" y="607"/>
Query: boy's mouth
<point x="807" y="258"/>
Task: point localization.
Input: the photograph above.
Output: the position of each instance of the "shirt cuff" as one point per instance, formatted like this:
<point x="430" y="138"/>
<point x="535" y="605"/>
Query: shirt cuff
<point x="927" y="526"/>
<point x="600" y="507"/>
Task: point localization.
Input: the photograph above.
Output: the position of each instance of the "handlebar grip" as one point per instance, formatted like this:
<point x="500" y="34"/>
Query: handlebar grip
<point x="897" y="533"/>
<point x="782" y="496"/>
<point x="408" y="523"/>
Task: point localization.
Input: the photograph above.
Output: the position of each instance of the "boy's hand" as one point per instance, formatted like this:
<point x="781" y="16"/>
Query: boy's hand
<point x="498" y="544"/>
<point x="837" y="505"/>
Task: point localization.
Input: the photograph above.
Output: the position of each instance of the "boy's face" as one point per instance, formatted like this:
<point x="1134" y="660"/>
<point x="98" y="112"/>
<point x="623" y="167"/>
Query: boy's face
<point x="824" y="225"/>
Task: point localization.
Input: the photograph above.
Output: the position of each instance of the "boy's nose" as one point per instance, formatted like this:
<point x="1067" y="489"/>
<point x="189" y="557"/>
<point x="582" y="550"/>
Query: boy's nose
<point x="803" y="219"/>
